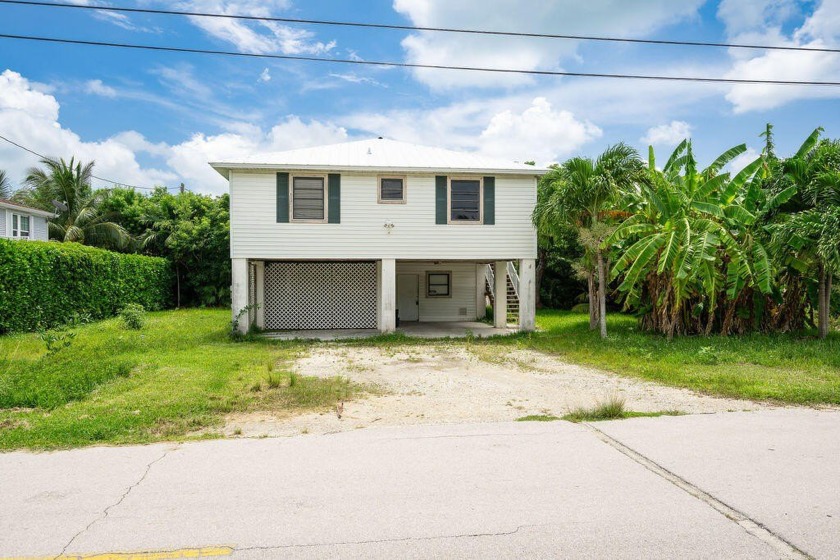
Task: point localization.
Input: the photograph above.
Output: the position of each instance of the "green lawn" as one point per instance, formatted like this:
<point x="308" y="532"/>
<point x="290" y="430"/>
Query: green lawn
<point x="180" y="375"/>
<point x="177" y="376"/>
<point x="784" y="367"/>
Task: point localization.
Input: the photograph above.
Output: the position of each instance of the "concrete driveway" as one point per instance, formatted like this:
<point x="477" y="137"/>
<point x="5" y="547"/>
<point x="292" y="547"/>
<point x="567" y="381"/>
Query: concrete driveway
<point x="760" y="484"/>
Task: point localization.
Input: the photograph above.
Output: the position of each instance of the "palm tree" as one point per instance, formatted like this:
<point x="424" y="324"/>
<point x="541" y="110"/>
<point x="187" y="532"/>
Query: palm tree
<point x="66" y="185"/>
<point x="5" y="185"/>
<point x="582" y="194"/>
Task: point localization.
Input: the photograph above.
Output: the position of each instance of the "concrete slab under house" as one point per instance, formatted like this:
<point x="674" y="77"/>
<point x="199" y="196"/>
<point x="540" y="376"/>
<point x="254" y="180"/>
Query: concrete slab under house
<point x="377" y="236"/>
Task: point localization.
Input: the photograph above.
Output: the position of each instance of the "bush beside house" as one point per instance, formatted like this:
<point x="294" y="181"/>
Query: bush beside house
<point x="46" y="284"/>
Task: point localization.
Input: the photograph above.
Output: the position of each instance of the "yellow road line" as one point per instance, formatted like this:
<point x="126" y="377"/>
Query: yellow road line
<point x="206" y="552"/>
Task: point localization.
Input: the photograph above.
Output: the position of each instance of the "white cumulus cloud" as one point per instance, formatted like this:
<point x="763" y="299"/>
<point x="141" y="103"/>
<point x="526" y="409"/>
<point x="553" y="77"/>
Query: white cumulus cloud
<point x="538" y="133"/>
<point x="628" y="19"/>
<point x="509" y="128"/>
<point x="189" y="159"/>
<point x="31" y="118"/>
<point x="669" y="134"/>
<point x="820" y="29"/>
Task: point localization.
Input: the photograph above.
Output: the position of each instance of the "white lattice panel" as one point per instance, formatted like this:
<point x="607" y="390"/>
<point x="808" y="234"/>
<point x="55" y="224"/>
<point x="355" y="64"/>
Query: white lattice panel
<point x="320" y="295"/>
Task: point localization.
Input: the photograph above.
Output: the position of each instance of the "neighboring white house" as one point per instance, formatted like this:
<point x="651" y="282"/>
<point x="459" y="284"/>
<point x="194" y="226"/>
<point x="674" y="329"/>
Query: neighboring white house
<point x="22" y="222"/>
<point x="349" y="235"/>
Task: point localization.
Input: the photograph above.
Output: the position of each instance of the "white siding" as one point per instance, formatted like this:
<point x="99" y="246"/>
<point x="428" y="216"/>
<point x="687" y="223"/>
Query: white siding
<point x="361" y="234"/>
<point x="39" y="229"/>
<point x="463" y="290"/>
<point x="37" y="224"/>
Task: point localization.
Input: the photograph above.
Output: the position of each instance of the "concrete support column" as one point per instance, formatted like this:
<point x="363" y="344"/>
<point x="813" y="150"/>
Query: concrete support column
<point x="386" y="272"/>
<point x="259" y="290"/>
<point x="500" y="296"/>
<point x="480" y="291"/>
<point x="239" y="291"/>
<point x="527" y="295"/>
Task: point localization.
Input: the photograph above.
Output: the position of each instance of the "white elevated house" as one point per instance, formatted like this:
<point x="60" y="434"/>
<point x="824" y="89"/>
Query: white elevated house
<point x="22" y="222"/>
<point x="364" y="234"/>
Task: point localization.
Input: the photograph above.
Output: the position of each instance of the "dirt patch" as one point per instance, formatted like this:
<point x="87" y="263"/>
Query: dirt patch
<point x="449" y="384"/>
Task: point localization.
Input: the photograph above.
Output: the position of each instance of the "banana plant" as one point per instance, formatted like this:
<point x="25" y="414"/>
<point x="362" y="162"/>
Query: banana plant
<point x="691" y="239"/>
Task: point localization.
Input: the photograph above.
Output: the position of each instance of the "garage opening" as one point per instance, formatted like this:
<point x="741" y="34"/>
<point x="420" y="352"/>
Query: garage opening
<point x="320" y="295"/>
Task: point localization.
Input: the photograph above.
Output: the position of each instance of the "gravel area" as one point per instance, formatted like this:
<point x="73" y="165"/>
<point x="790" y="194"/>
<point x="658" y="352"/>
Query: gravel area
<point x="456" y="384"/>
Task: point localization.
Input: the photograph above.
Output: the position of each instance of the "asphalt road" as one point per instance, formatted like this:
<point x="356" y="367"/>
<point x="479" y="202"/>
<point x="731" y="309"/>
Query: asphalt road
<point x="761" y="484"/>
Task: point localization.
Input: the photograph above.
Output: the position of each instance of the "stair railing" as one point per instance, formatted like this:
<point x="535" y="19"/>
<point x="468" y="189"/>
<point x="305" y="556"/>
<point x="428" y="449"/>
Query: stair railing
<point x="514" y="277"/>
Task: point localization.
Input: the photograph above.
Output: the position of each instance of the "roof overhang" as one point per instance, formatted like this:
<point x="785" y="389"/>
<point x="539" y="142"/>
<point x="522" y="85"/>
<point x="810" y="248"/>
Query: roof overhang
<point x="27" y="209"/>
<point x="223" y="168"/>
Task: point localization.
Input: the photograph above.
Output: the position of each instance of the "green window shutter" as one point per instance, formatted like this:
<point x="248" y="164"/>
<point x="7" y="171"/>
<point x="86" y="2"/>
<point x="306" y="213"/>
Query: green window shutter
<point x="282" y="198"/>
<point x="440" y="199"/>
<point x="334" y="204"/>
<point x="489" y="201"/>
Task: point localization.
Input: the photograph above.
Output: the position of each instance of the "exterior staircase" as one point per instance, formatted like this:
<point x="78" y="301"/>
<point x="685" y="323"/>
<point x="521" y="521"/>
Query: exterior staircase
<point x="512" y="278"/>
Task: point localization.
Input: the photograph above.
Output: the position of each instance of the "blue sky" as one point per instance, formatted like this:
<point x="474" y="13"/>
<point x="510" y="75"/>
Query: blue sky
<point x="156" y="118"/>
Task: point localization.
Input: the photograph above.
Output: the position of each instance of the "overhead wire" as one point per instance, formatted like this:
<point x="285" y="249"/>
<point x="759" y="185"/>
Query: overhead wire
<point x="373" y="25"/>
<point x="393" y="64"/>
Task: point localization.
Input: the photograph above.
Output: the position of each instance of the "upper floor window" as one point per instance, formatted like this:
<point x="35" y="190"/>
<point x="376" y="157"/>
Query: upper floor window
<point x="465" y="200"/>
<point x="392" y="190"/>
<point x="309" y="201"/>
<point x="20" y="226"/>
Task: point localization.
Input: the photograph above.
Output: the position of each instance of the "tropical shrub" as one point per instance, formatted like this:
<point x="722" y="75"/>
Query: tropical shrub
<point x="133" y="316"/>
<point x="189" y="229"/>
<point x="704" y="250"/>
<point x="47" y="284"/>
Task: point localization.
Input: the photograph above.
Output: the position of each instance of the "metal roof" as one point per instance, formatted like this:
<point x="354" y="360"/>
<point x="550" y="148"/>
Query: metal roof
<point x="5" y="203"/>
<point x="379" y="154"/>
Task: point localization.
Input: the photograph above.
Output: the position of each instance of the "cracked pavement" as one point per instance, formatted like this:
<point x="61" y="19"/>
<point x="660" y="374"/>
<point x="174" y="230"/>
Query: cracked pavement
<point x="757" y="484"/>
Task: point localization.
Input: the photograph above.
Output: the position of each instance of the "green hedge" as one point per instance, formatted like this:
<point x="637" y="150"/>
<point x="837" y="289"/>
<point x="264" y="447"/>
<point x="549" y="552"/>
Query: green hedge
<point x="48" y="283"/>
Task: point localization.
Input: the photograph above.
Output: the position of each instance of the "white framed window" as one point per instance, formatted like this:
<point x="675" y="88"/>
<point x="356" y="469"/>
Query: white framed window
<point x="438" y="284"/>
<point x="392" y="189"/>
<point x="465" y="199"/>
<point x="21" y="226"/>
<point x="308" y="198"/>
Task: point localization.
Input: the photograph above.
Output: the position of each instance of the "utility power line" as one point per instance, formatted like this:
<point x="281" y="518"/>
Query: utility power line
<point x="370" y="25"/>
<point x="42" y="156"/>
<point x="413" y="65"/>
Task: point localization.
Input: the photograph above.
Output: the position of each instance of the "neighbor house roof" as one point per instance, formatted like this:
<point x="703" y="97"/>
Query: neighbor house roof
<point x="5" y="203"/>
<point x="379" y="154"/>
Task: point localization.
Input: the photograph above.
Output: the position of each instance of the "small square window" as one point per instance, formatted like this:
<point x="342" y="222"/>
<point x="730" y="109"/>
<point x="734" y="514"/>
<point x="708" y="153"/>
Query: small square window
<point x="438" y="284"/>
<point x="391" y="190"/>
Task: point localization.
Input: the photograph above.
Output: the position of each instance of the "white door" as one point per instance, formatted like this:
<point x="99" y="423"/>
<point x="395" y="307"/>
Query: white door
<point x="408" y="297"/>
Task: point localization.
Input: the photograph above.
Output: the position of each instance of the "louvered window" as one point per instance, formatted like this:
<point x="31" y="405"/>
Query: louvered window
<point x="465" y="200"/>
<point x="391" y="190"/>
<point x="308" y="200"/>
